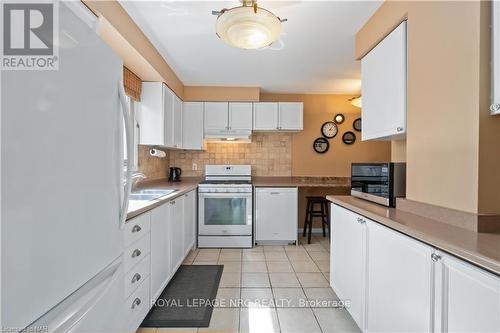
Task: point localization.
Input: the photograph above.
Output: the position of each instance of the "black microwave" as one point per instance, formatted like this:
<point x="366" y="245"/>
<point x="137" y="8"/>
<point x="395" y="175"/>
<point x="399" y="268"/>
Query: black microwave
<point x="381" y="183"/>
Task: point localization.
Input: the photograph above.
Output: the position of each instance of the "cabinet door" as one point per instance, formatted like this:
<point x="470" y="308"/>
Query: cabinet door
<point x="383" y="80"/>
<point x="189" y="220"/>
<point x="240" y="116"/>
<point x="160" y="249"/>
<point x="192" y="125"/>
<point x="467" y="297"/>
<point x="265" y="116"/>
<point x="276" y="214"/>
<point x="348" y="260"/>
<point x="151" y="115"/>
<point x="290" y="116"/>
<point x="177" y="233"/>
<point x="216" y="116"/>
<point x="177" y="123"/>
<point x="168" y="120"/>
<point x="399" y="276"/>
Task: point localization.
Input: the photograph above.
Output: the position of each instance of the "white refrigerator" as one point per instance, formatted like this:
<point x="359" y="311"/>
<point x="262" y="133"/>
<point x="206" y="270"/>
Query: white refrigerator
<point x="62" y="188"/>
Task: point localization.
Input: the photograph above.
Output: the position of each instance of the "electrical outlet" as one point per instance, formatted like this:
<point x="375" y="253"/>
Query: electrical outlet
<point x="195" y="167"/>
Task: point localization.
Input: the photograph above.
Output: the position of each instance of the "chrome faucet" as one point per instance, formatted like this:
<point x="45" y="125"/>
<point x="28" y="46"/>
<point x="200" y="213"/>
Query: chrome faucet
<point x="136" y="177"/>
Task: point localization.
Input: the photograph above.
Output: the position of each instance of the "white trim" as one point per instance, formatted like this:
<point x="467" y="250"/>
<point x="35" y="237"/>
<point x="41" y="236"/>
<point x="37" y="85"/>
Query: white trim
<point x="495" y="58"/>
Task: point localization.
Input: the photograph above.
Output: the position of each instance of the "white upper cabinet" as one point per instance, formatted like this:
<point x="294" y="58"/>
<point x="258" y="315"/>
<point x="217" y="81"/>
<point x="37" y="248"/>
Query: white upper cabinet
<point x="265" y="116"/>
<point x="383" y="81"/>
<point x="216" y="116"/>
<point x="291" y="116"/>
<point x="240" y="116"/>
<point x="268" y="116"/>
<point x="467" y="298"/>
<point x="192" y="125"/>
<point x="177" y="123"/>
<point x="151" y="116"/>
<point x="168" y="121"/>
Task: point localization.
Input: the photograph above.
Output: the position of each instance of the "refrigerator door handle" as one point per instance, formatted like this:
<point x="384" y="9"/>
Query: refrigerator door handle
<point x="130" y="152"/>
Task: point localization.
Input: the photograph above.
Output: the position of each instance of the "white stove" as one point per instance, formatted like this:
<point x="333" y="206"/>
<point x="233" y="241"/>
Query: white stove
<point x="225" y="207"/>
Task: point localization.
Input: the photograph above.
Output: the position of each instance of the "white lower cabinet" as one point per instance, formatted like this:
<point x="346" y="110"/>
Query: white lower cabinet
<point x="467" y="297"/>
<point x="347" y="261"/>
<point x="189" y="221"/>
<point x="176" y="228"/>
<point x="397" y="284"/>
<point x="160" y="249"/>
<point x="276" y="214"/>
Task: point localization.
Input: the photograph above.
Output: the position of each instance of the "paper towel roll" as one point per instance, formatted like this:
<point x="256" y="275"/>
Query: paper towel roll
<point x="157" y="153"/>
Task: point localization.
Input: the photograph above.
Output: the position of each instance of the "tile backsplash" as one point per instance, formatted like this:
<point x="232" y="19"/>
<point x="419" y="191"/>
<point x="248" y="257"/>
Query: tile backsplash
<point x="270" y="154"/>
<point x="152" y="167"/>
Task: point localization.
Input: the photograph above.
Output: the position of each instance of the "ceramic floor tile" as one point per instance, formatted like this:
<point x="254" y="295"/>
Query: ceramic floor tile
<point x="294" y="248"/>
<point x="230" y="256"/>
<point x="254" y="266"/>
<point x="298" y="256"/>
<point x="224" y="320"/>
<point x="146" y="330"/>
<point x="333" y="320"/>
<point x="187" y="261"/>
<point x="314" y="248"/>
<point x="255" y="280"/>
<point x="284" y="280"/>
<point x="323" y="265"/>
<point x="313" y="280"/>
<point x="317" y="256"/>
<point x="305" y="266"/>
<point x="251" y="256"/>
<point x="231" y="266"/>
<point x="327" y="276"/>
<point x="276" y="256"/>
<point x="289" y="297"/>
<point x="297" y="320"/>
<point x="273" y="248"/>
<point x="203" y="262"/>
<point x="203" y="256"/>
<point x="209" y="251"/>
<point x="255" y="249"/>
<point x="257" y="297"/>
<point x="227" y="298"/>
<point x="259" y="320"/>
<point x="231" y="251"/>
<point x="279" y="267"/>
<point x="321" y="297"/>
<point x="230" y="280"/>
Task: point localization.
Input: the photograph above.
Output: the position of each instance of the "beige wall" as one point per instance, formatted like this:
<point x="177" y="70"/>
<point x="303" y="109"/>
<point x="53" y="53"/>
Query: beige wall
<point x="398" y="151"/>
<point x="270" y="154"/>
<point x="221" y="94"/>
<point x="337" y="161"/>
<point x="447" y="96"/>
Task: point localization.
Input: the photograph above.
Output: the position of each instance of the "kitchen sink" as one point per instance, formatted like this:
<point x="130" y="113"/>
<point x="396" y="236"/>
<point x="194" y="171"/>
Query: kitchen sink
<point x="149" y="194"/>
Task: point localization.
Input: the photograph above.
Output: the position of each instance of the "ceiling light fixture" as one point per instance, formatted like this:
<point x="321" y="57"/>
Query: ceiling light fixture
<point x="356" y="101"/>
<point x="248" y="26"/>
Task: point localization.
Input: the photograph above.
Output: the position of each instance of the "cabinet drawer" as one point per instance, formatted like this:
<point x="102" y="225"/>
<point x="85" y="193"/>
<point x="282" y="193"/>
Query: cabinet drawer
<point x="137" y="275"/>
<point x="137" y="306"/>
<point x="135" y="252"/>
<point x="136" y="228"/>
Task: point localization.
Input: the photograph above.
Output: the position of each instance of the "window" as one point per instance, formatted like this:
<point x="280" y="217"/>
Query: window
<point x="495" y="80"/>
<point x="133" y="109"/>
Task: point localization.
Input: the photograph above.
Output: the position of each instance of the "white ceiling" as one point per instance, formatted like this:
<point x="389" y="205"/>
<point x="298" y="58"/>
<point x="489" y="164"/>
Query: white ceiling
<point x="315" y="53"/>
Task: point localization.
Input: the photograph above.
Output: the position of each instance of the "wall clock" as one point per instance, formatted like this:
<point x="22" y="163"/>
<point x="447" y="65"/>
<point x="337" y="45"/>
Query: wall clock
<point x="329" y="129"/>
<point x="357" y="124"/>
<point x="321" y="145"/>
<point x="349" y="138"/>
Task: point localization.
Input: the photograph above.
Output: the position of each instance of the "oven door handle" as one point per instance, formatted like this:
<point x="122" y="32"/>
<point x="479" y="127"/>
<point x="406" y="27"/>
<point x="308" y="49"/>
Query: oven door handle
<point x="226" y="195"/>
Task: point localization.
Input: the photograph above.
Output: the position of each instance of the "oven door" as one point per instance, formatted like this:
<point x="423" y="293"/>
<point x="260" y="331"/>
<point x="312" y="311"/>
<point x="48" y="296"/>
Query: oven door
<point x="225" y="214"/>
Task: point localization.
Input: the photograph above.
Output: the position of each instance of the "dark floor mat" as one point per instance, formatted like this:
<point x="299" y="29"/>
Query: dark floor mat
<point x="188" y="299"/>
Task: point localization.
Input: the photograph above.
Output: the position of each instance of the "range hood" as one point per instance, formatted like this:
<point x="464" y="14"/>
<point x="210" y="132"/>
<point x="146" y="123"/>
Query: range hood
<point x="241" y="136"/>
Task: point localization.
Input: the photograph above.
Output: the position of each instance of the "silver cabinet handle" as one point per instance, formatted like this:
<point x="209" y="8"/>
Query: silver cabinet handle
<point x="136" y="278"/>
<point x="495" y="107"/>
<point x="136" y="302"/>
<point x="399" y="129"/>
<point x="359" y="219"/>
<point x="136" y="228"/>
<point x="435" y="257"/>
<point x="136" y="253"/>
<point x="274" y="193"/>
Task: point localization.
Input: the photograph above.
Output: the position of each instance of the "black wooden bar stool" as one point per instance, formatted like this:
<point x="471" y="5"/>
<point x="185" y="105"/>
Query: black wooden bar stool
<point x="311" y="213"/>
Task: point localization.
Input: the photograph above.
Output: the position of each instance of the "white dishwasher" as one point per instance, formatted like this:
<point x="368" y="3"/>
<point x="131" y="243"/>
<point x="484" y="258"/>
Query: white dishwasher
<point x="276" y="215"/>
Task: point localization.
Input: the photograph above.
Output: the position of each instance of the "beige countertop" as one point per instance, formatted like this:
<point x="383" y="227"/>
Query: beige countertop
<point x="481" y="249"/>
<point x="187" y="184"/>
<point x="264" y="181"/>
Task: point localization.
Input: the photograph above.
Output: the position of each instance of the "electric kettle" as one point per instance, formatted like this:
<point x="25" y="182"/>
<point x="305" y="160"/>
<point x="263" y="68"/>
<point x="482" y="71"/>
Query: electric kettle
<point x="174" y="174"/>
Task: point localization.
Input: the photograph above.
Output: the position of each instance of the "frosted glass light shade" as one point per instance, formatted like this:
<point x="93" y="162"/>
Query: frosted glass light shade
<point x="241" y="27"/>
<point x="356" y="101"/>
